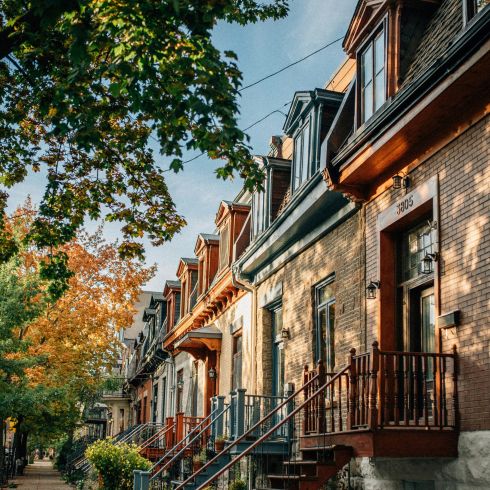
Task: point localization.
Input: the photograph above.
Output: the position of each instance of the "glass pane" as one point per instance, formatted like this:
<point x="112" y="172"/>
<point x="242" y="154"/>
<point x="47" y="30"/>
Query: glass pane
<point x="297" y="163"/>
<point x="331" y="338"/>
<point x="305" y="152"/>
<point x="380" y="91"/>
<point x="280" y="371"/>
<point x="428" y="324"/>
<point x="379" y="53"/>
<point x="325" y="293"/>
<point x="367" y="110"/>
<point x="481" y="4"/>
<point x="322" y="334"/>
<point x="416" y="244"/>
<point x="276" y="323"/>
<point x="367" y="66"/>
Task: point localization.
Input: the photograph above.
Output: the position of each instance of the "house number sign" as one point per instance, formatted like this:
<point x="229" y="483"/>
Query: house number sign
<point x="420" y="195"/>
<point x="404" y="205"/>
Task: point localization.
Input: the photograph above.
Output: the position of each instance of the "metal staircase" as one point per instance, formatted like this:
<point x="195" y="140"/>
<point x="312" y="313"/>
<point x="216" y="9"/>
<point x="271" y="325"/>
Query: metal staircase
<point x="299" y="468"/>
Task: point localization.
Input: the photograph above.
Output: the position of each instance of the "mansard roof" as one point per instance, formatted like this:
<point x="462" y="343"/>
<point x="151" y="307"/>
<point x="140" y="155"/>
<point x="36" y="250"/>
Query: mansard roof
<point x="205" y="239"/>
<point x="171" y="286"/>
<point x="303" y="101"/>
<point x="226" y="206"/>
<point x="190" y="262"/>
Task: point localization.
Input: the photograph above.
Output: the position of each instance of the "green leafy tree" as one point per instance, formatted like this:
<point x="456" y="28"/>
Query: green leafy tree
<point x="85" y="84"/>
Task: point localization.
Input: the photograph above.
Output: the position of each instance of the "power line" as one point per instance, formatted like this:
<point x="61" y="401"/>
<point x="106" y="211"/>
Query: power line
<point x="284" y="68"/>
<point x="290" y="65"/>
<point x="246" y="129"/>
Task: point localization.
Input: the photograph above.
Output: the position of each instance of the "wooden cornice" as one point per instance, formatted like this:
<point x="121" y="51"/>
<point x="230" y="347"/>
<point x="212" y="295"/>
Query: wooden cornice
<point x="210" y="306"/>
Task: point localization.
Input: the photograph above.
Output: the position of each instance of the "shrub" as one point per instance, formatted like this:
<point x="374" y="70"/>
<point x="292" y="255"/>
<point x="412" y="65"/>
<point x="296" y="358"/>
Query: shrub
<point x="115" y="464"/>
<point x="237" y="485"/>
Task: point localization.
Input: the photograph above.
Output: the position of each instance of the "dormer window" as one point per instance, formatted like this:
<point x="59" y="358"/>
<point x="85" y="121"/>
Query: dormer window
<point x="307" y="123"/>
<point x="301" y="158"/>
<point x="230" y="220"/>
<point x="224" y="247"/>
<point x="266" y="203"/>
<point x="259" y="205"/>
<point x="372" y="62"/>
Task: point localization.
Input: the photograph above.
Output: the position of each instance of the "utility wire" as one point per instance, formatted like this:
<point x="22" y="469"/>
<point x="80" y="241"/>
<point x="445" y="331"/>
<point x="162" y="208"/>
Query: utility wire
<point x="246" y="129"/>
<point x="290" y="65"/>
<point x="284" y="68"/>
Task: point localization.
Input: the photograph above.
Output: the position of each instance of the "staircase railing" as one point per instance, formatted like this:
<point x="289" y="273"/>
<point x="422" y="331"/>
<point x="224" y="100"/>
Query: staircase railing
<point x="200" y="438"/>
<point x="251" y="432"/>
<point x="159" y="436"/>
<point x="182" y="442"/>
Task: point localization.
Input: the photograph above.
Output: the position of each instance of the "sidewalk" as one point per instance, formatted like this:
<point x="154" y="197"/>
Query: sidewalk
<point x="41" y="476"/>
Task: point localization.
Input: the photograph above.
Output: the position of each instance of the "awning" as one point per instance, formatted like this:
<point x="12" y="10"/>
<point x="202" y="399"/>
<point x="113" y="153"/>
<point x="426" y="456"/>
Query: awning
<point x="197" y="342"/>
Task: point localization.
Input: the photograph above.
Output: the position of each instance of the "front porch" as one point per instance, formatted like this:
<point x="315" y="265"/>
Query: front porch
<point x="384" y="404"/>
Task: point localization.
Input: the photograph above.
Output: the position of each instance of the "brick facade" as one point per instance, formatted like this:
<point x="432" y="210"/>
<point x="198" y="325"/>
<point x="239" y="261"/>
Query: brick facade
<point x="340" y="252"/>
<point x="463" y="171"/>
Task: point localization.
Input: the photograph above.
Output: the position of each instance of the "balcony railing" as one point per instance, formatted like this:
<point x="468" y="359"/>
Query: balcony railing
<point x="386" y="389"/>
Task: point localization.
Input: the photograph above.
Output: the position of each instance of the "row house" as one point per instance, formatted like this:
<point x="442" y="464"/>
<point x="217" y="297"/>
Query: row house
<point x="334" y="328"/>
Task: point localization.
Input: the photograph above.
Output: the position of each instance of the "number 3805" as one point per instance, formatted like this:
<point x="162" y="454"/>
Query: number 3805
<point x="404" y="205"/>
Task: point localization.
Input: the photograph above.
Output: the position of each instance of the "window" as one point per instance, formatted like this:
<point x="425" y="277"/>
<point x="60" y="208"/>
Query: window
<point x="164" y="399"/>
<point x="372" y="76"/>
<point x="473" y="7"/>
<point x="301" y="156"/>
<point x="177" y="309"/>
<point x="179" y="399"/>
<point x="236" y="381"/>
<point x="224" y="247"/>
<point x="202" y="279"/>
<point x="183" y="307"/>
<point x="325" y="323"/>
<point x="416" y="243"/>
<point x="278" y="358"/>
<point x="155" y="404"/>
<point x="259" y="212"/>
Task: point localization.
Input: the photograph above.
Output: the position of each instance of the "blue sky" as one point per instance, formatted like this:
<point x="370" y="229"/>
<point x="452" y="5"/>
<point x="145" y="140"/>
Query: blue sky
<point x="262" y="48"/>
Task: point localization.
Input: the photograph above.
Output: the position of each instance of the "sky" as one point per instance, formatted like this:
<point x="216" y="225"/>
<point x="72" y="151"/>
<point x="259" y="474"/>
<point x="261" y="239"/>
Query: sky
<point x="262" y="49"/>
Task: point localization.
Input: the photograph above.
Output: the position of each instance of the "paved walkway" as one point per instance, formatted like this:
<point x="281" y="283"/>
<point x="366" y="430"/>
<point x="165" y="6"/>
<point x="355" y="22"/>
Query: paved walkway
<point x="41" y="476"/>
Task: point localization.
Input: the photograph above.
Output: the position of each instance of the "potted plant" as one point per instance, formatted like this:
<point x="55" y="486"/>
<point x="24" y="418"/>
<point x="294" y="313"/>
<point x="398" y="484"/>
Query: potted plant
<point x="219" y="443"/>
<point x="199" y="460"/>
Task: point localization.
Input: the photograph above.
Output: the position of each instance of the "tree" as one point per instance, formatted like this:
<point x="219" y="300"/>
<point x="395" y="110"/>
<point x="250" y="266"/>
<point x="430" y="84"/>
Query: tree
<point x="85" y="84"/>
<point x="53" y="355"/>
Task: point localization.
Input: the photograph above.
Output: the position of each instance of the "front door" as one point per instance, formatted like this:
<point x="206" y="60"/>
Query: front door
<point x="414" y="373"/>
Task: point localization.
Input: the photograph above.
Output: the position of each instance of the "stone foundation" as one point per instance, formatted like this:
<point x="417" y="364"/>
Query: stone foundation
<point x="471" y="470"/>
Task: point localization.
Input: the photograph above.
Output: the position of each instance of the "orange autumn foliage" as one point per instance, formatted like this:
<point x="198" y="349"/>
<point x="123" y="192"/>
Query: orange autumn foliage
<point x="77" y="335"/>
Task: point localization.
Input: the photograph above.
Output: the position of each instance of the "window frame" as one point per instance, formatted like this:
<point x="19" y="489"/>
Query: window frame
<point x="329" y="359"/>
<point x="298" y="146"/>
<point x="224" y="245"/>
<point x="370" y="43"/>
<point x="278" y="352"/>
<point x="237" y="354"/>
